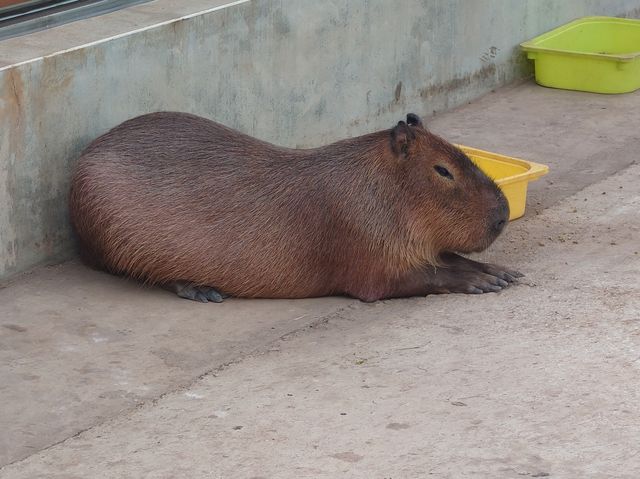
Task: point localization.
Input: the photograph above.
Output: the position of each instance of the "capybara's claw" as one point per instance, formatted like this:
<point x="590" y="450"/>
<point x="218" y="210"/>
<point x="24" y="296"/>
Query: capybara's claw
<point x="197" y="296"/>
<point x="492" y="289"/>
<point x="489" y="284"/>
<point x="501" y="282"/>
<point x="213" y="295"/>
<point x="508" y="275"/>
<point x="474" y="290"/>
<point x="509" y="278"/>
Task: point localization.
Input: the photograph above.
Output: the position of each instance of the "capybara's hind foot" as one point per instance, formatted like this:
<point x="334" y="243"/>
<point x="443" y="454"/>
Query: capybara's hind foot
<point x="190" y="291"/>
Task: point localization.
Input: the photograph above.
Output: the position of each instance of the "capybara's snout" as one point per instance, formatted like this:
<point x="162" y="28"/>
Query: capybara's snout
<point x="499" y="216"/>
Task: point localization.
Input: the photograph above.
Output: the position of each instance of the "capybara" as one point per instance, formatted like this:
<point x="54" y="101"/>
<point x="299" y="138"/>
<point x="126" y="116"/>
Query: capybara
<point x="183" y="202"/>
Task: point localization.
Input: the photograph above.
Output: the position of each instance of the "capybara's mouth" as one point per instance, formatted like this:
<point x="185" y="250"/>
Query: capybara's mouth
<point x="489" y="239"/>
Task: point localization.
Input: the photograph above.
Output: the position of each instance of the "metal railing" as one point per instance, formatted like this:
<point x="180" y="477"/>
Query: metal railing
<point x="19" y="18"/>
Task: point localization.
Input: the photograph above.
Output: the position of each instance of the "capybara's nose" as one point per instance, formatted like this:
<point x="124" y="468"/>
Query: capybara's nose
<point x="500" y="217"/>
<point x="499" y="225"/>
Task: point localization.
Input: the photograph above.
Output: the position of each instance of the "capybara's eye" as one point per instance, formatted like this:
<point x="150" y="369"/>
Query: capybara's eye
<point x="442" y="171"/>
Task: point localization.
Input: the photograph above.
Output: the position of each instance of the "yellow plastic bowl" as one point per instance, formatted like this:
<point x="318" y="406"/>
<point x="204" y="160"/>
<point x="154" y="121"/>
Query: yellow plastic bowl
<point x="510" y="174"/>
<point x="594" y="54"/>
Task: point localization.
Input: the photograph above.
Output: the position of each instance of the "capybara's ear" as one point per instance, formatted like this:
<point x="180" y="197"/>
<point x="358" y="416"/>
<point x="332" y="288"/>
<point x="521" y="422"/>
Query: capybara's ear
<point x="401" y="137"/>
<point x="414" y="120"/>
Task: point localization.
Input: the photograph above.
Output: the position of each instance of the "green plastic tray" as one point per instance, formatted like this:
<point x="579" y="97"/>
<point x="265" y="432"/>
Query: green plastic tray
<point x="594" y="54"/>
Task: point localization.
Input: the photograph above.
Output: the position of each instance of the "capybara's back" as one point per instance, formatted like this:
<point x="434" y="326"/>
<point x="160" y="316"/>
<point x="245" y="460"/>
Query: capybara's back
<point x="184" y="202"/>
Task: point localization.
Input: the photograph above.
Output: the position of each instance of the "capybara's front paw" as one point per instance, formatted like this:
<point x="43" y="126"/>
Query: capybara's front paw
<point x="465" y="276"/>
<point x="475" y="282"/>
<point x="461" y="263"/>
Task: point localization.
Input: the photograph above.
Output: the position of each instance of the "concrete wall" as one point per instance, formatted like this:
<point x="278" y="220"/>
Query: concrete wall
<point x="296" y="72"/>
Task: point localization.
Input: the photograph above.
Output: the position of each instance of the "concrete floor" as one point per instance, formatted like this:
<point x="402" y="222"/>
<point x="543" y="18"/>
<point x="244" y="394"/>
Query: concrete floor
<point x="102" y="378"/>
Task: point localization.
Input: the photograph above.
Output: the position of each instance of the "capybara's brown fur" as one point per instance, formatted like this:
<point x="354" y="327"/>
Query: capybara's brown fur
<point x="173" y="197"/>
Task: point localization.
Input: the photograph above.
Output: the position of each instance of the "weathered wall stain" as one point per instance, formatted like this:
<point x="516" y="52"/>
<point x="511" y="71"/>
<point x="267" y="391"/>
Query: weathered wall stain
<point x="398" y="92"/>
<point x="486" y="74"/>
<point x="12" y="150"/>
<point x="634" y="13"/>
